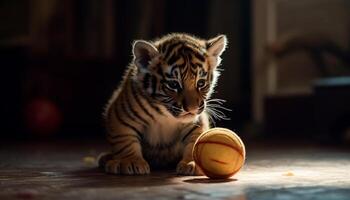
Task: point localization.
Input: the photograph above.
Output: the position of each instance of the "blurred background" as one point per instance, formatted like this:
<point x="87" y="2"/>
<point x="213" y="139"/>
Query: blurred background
<point x="286" y="71"/>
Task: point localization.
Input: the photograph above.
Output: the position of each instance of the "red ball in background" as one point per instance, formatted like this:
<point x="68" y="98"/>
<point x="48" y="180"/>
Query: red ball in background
<point x="43" y="116"/>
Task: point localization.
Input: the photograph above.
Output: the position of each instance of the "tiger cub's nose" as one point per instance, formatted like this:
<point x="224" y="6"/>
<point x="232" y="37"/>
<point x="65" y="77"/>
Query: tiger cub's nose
<point x="192" y="108"/>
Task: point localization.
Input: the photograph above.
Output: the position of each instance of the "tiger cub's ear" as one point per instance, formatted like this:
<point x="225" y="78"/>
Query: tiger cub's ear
<point x="143" y="52"/>
<point x="216" y="45"/>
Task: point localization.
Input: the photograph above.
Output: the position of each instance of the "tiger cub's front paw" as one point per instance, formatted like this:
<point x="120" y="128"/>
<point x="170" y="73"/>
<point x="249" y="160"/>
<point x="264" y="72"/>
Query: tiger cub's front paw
<point x="188" y="168"/>
<point x="130" y="166"/>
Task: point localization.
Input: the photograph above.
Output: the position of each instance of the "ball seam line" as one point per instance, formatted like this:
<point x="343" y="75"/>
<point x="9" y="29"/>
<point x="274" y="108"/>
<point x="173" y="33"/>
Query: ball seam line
<point x="221" y="143"/>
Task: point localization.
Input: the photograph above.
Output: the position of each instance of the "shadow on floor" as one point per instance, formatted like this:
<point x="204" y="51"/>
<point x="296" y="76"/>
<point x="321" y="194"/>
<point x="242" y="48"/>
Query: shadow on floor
<point x="208" y="180"/>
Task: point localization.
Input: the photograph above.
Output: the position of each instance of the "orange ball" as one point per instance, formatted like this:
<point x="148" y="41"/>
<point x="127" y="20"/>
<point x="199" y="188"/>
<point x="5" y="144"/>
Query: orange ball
<point x="219" y="153"/>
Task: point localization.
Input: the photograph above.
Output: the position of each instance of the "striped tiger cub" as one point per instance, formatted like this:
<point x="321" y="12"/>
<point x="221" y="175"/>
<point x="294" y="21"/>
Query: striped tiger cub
<point x="161" y="106"/>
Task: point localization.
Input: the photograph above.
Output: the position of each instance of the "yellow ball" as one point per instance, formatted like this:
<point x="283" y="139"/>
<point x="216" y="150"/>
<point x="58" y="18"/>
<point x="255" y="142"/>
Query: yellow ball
<point x="219" y="153"/>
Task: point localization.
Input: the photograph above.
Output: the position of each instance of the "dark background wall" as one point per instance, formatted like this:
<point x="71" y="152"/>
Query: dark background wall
<point x="64" y="58"/>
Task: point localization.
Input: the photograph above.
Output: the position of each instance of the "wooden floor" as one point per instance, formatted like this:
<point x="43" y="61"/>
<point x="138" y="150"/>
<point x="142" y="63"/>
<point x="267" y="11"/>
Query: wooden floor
<point x="65" y="170"/>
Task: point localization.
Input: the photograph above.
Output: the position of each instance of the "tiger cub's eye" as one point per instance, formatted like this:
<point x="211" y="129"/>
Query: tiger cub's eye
<point x="200" y="83"/>
<point x="173" y="85"/>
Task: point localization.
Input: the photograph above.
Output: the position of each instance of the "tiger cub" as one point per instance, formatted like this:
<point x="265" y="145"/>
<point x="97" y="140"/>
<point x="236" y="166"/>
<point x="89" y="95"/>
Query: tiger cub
<point x="159" y="110"/>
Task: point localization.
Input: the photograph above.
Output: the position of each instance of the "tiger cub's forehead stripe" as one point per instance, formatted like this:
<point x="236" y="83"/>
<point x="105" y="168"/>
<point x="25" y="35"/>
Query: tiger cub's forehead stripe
<point x="193" y="52"/>
<point x="170" y="49"/>
<point x="174" y="69"/>
<point x="175" y="72"/>
<point x="193" y="69"/>
<point x="173" y="59"/>
<point x="203" y="73"/>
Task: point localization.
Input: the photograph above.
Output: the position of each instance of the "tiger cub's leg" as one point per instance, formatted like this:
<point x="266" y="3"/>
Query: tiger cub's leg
<point x="124" y="135"/>
<point x="187" y="166"/>
<point x="125" y="157"/>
